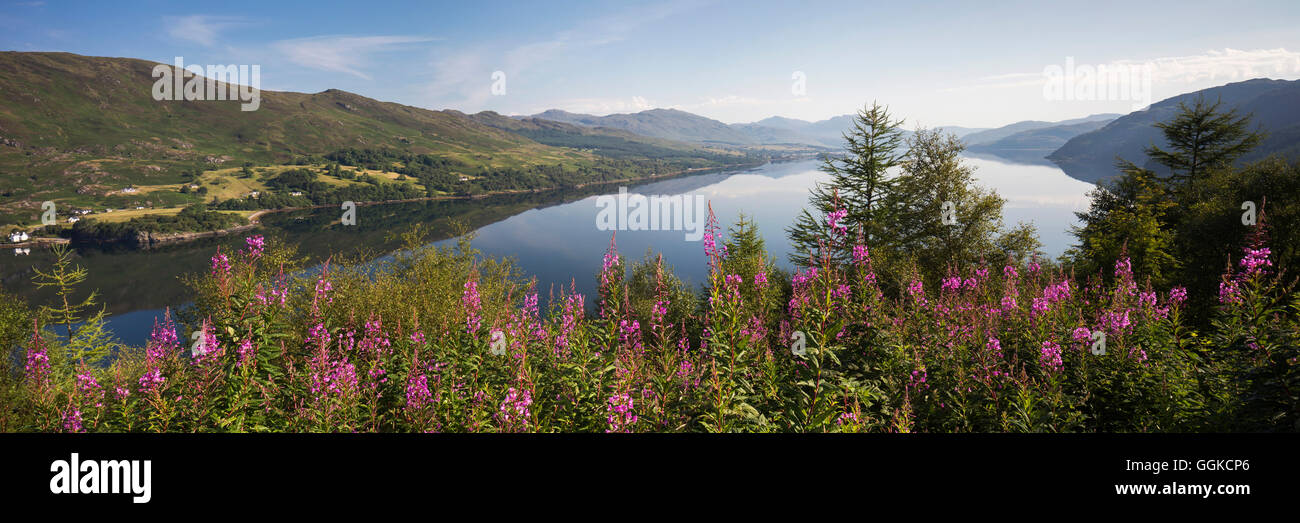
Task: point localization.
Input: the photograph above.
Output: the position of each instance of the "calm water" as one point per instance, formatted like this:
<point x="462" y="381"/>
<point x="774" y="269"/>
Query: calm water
<point x="553" y="237"/>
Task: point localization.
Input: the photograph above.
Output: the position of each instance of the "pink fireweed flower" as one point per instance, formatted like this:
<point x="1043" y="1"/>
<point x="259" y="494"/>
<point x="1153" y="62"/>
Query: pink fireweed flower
<point x="1009" y="303"/>
<point x="952" y="284"/>
<point x="861" y="256"/>
<point x="1255" y="261"/>
<point x="847" y="418"/>
<point x="472" y="303"/>
<point x="220" y="265"/>
<point x="323" y="287"/>
<point x="151" y="380"/>
<point x="1229" y="293"/>
<point x="1082" y="334"/>
<point x="573" y="312"/>
<point x="1115" y="322"/>
<point x="37" y="370"/>
<point x="1050" y="357"/>
<point x="1178" y="295"/>
<point x="72" y="420"/>
<point x="833" y="219"/>
<point x="760" y="280"/>
<point x="255" y="245"/>
<point x="1010" y="272"/>
<point x="754" y="329"/>
<point x="916" y="289"/>
<point x="513" y="413"/>
<point x="417" y="390"/>
<point x="629" y="334"/>
<point x="247" y="352"/>
<point x="1147" y="299"/>
<point x="994" y="346"/>
<point x="89" y="388"/>
<point x="620" y="413"/>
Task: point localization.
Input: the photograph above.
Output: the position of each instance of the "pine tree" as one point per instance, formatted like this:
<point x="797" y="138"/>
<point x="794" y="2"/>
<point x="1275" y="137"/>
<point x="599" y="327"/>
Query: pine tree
<point x="1201" y="138"/>
<point x="64" y="278"/>
<point x="859" y="184"/>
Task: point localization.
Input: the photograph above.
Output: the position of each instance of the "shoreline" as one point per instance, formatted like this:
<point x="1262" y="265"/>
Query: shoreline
<point x="254" y="219"/>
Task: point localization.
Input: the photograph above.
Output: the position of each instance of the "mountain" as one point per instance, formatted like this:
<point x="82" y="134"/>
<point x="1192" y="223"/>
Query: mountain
<point x="670" y="124"/>
<point x="993" y="135"/>
<point x="79" y="130"/>
<point x="1044" y="139"/>
<point x="1275" y="105"/>
<point x="605" y="141"/>
<point x="763" y="134"/>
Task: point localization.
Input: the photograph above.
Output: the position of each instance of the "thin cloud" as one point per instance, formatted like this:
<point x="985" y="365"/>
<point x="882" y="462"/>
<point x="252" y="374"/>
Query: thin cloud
<point x="342" y="54"/>
<point x="1225" y="65"/>
<point x="462" y="76"/>
<point x="204" y="30"/>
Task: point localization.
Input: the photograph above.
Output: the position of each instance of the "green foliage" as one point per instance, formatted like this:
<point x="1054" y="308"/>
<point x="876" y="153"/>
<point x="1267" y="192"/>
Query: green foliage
<point x="859" y="183"/>
<point x="1202" y="137"/>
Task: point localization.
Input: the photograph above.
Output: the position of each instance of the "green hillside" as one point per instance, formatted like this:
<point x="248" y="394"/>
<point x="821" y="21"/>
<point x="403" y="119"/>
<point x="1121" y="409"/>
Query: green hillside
<point x="77" y="127"/>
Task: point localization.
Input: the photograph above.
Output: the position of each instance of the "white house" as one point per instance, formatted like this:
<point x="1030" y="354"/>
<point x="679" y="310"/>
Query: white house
<point x="18" y="236"/>
<point x="296" y="193"/>
<point x="73" y="219"/>
<point x="129" y="190"/>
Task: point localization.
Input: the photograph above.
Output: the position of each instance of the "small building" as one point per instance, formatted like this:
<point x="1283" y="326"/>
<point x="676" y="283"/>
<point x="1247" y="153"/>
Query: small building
<point x="253" y="194"/>
<point x="73" y="219"/>
<point x="130" y="190"/>
<point x="18" y="236"/>
<point x="139" y="207"/>
<point x="296" y="193"/>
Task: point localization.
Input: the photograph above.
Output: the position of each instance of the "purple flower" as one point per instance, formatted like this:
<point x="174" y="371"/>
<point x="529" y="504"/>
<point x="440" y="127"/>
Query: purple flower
<point x="220" y="265"/>
<point x="861" y="256"/>
<point x="472" y="303"/>
<point x="255" y="246"/>
<point x="620" y="413"/>
<point x="1050" y="357"/>
<point x="1178" y="294"/>
<point x="1255" y="260"/>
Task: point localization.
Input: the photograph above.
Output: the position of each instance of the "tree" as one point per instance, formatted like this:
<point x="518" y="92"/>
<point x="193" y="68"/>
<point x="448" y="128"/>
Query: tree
<point x="64" y="278"/>
<point x="1201" y="138"/>
<point x="859" y="183"/>
<point x="941" y="216"/>
<point x="1127" y="217"/>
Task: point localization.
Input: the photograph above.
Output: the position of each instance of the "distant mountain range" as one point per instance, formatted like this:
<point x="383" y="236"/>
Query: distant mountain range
<point x="1034" y="133"/>
<point x="1275" y="105"/>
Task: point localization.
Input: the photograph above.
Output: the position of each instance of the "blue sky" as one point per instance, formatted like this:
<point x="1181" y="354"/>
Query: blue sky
<point x="978" y="64"/>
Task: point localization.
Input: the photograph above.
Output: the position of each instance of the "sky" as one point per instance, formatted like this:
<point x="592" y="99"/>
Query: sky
<point x="972" y="64"/>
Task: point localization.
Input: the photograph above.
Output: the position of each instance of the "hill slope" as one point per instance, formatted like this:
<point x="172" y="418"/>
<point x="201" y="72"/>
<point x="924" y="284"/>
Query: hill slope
<point x="1274" y="103"/>
<point x="74" y="124"/>
<point x="993" y="135"/>
<point x="670" y="124"/>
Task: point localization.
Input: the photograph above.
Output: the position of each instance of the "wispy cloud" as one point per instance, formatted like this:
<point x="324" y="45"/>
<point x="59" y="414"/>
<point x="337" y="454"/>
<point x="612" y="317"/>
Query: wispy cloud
<point x="1227" y="65"/>
<point x="342" y="54"/>
<point x="462" y="76"/>
<point x="201" y="29"/>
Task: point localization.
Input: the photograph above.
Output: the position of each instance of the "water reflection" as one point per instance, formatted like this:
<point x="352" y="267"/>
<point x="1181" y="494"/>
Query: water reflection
<point x="553" y="235"/>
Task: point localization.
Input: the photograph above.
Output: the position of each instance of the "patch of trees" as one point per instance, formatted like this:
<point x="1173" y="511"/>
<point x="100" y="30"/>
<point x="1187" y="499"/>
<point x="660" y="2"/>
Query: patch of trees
<point x="194" y="218"/>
